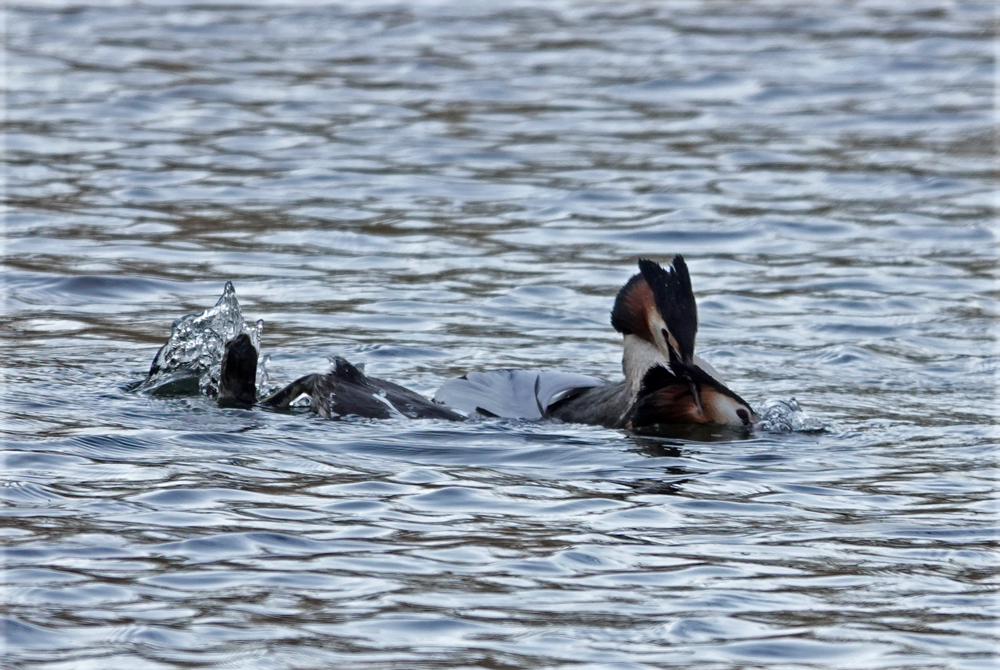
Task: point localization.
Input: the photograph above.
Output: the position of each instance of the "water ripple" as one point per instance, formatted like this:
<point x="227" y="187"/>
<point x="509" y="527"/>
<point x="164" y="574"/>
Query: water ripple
<point x="436" y="188"/>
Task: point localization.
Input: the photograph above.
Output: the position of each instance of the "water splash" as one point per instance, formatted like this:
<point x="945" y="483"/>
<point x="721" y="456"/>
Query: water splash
<point x="263" y="380"/>
<point x="786" y="416"/>
<point x="191" y="360"/>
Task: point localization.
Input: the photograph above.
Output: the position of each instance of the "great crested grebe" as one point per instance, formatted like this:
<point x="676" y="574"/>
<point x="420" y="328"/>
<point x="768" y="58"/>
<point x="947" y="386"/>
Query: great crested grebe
<point x="665" y="381"/>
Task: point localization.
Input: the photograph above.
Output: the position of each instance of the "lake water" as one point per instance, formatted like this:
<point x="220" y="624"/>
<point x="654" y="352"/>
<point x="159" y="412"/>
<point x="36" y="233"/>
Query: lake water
<point x="433" y="188"/>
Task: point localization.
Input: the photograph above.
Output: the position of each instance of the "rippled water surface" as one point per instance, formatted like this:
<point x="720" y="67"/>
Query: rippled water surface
<point x="435" y="188"/>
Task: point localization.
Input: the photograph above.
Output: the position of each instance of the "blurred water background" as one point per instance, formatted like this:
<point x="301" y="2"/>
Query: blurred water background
<point x="431" y="188"/>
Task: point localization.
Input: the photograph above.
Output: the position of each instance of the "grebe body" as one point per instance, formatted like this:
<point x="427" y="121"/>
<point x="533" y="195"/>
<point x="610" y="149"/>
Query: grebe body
<point x="347" y="391"/>
<point x="665" y="381"/>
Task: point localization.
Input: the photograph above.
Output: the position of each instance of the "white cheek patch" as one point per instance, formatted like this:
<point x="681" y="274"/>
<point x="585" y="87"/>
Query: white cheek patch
<point x="665" y="344"/>
<point x="639" y="356"/>
<point x="657" y="326"/>
<point x="673" y="344"/>
<point x="726" y="410"/>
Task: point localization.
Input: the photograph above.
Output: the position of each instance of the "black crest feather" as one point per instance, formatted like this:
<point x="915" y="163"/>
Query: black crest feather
<point x="656" y="378"/>
<point x="675" y="301"/>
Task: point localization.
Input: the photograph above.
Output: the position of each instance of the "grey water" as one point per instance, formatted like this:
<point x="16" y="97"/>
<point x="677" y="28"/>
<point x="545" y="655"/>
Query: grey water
<point x="435" y="187"/>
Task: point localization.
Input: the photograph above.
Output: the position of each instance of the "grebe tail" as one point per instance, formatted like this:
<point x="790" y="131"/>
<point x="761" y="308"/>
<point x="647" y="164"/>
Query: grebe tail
<point x="238" y="377"/>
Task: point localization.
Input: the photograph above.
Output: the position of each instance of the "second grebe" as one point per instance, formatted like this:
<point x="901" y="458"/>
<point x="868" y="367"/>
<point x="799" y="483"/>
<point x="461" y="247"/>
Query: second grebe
<point x="665" y="381"/>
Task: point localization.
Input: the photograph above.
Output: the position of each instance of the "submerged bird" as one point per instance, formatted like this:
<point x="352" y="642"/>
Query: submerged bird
<point x="184" y="365"/>
<point x="665" y="381"/>
<point x="347" y="391"/>
<point x="343" y="391"/>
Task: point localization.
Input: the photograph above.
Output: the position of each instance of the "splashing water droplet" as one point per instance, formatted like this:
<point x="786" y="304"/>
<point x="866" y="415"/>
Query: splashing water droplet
<point x="263" y="379"/>
<point x="196" y="346"/>
<point x="786" y="416"/>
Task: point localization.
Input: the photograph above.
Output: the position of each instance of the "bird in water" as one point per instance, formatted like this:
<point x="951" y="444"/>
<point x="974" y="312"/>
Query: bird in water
<point x="343" y="391"/>
<point x="665" y="383"/>
<point x="347" y="391"/>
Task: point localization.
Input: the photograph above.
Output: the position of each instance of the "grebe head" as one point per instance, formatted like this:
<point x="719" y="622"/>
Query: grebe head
<point x="657" y="305"/>
<point x="694" y="397"/>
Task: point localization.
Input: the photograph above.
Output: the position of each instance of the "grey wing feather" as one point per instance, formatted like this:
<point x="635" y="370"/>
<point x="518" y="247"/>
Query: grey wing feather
<point x="511" y="394"/>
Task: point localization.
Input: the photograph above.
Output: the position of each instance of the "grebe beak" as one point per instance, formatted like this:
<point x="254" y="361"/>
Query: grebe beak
<point x="697" y="396"/>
